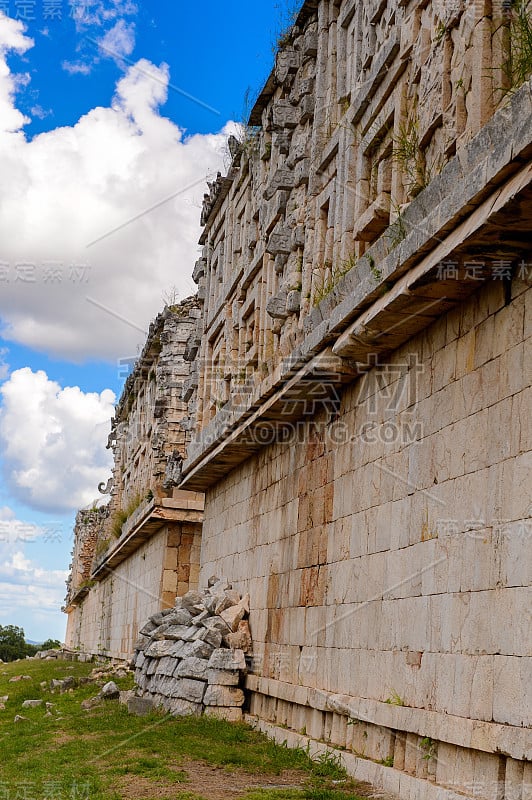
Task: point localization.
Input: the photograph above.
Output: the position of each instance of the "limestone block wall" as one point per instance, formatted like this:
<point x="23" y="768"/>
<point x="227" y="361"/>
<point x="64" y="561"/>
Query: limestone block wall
<point x="108" y="619"/>
<point x="148" y="437"/>
<point x="387" y="556"/>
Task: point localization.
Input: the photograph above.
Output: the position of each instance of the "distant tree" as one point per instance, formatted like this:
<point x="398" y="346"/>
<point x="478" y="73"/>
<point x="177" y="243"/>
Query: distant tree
<point x="50" y="644"/>
<point x="12" y="643"/>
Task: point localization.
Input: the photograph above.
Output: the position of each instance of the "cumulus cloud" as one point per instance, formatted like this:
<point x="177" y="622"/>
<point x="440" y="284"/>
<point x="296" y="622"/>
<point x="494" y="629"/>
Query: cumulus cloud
<point x="12" y="39"/>
<point x="53" y="441"/>
<point x="119" y="41"/>
<point x="31" y="596"/>
<point x="21" y="571"/>
<point x="124" y="180"/>
<point x="13" y="530"/>
<point x="106" y="30"/>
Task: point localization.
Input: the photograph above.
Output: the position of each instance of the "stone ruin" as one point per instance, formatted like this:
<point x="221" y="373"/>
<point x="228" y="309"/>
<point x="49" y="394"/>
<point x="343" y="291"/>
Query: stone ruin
<point x="191" y="659"/>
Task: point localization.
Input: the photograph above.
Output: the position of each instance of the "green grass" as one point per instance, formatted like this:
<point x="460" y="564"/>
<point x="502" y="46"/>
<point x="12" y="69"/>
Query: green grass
<point x="94" y="754"/>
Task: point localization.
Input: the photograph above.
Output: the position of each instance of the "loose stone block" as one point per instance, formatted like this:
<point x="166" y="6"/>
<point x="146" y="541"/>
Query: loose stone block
<point x="230" y="714"/>
<point x="226" y="600"/>
<point x="188" y="689"/>
<point x="223" y="677"/>
<point x="166" y="666"/>
<point x="160" y="649"/>
<point x="193" y="602"/>
<point x="141" y="643"/>
<point x="191" y="668"/>
<point x="179" y="616"/>
<point x="198" y="649"/>
<point x="140" y="706"/>
<point x="147" y="628"/>
<point x="276" y="306"/>
<point x="199" y="618"/>
<point x="32" y="703"/>
<point x="228" y="660"/>
<point x="216" y="624"/>
<point x="233" y="616"/>
<point x="160" y="632"/>
<point x="216" y="695"/>
<point x="184" y="708"/>
<point x="176" y="632"/>
<point x="214" y="638"/>
<point x="220" y="586"/>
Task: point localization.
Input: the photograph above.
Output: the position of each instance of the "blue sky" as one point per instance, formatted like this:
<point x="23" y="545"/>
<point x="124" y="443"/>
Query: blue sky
<point x="108" y="108"/>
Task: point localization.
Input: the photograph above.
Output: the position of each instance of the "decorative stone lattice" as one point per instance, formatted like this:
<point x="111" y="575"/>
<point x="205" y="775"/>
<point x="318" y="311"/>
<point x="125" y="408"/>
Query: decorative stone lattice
<point x="190" y="660"/>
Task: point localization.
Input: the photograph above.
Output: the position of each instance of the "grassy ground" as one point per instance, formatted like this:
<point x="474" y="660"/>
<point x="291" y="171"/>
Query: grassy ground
<point x="106" y="754"/>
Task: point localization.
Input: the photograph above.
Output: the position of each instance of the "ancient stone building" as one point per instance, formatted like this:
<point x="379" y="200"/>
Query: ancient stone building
<point x="134" y="556"/>
<point x="360" y="400"/>
<point x="363" y="403"/>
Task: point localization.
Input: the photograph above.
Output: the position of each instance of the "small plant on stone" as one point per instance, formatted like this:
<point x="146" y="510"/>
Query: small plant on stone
<point x="345" y="104"/>
<point x="331" y="277"/>
<point x="171" y="297"/>
<point x="517" y="69"/>
<point x="395" y="699"/>
<point x="441" y="30"/>
<point x="121" y="516"/>
<point x="428" y="746"/>
<point x="408" y="155"/>
<point x="397" y="232"/>
<point x="387" y="762"/>
<point x="287" y="19"/>
<point x="375" y="271"/>
<point x="102" y="546"/>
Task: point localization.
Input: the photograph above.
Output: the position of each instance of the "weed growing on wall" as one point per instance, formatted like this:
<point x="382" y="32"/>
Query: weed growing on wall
<point x="330" y="277"/>
<point x="517" y="69"/>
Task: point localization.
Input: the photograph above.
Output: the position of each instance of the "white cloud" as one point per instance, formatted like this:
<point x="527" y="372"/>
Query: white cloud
<point x="30" y="596"/>
<point x="53" y="441"/>
<point x="97" y="12"/>
<point x="106" y="31"/>
<point x="19" y="570"/>
<point x="119" y="41"/>
<point x="40" y="112"/>
<point x="12" y="39"/>
<point x="4" y="366"/>
<point x="14" y="531"/>
<point x="76" y="67"/>
<point x="74" y="185"/>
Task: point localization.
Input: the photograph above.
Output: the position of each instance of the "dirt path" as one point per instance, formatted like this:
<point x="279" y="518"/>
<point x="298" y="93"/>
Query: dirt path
<point x="211" y="782"/>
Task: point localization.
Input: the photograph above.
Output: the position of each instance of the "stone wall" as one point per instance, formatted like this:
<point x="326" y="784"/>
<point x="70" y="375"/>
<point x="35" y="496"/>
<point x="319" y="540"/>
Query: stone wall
<point x="108" y="620"/>
<point x="145" y="548"/>
<point x="362" y="427"/>
<point x="387" y="558"/>
<point x="359" y="384"/>
<point x="149" y="430"/>
<point x="87" y="531"/>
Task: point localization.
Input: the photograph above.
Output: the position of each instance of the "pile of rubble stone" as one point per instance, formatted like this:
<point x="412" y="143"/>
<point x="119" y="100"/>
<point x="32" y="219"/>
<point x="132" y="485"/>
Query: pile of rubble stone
<point x="191" y="659"/>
